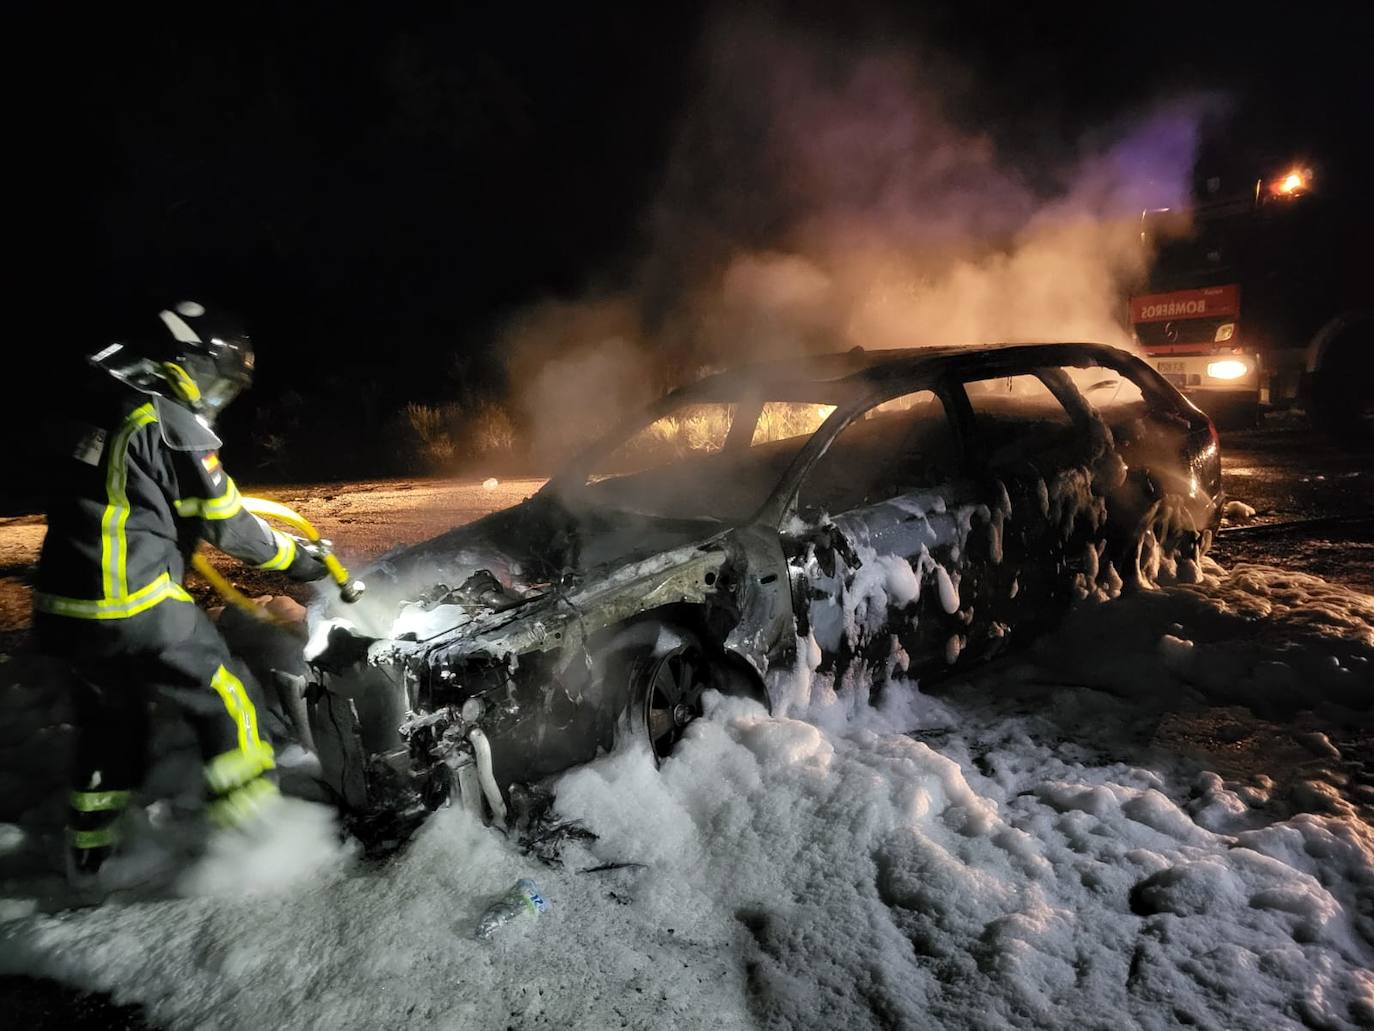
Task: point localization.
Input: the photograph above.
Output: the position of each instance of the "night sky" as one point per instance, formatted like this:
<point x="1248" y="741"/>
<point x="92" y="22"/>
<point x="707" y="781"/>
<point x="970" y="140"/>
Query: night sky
<point x="376" y="182"/>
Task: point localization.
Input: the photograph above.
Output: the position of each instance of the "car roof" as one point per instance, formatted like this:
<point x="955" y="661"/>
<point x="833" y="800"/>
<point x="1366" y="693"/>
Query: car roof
<point x="857" y="375"/>
<point x="857" y="371"/>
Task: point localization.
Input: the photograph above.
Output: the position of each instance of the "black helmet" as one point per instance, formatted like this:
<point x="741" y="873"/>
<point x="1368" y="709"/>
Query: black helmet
<point x="198" y="358"/>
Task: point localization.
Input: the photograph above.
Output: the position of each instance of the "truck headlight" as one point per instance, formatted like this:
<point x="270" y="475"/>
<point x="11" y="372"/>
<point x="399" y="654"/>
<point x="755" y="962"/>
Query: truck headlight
<point x="1228" y="369"/>
<point x="1225" y="331"/>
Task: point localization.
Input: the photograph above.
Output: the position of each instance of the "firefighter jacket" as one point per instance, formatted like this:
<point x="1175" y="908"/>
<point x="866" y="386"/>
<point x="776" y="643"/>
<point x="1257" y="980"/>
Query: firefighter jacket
<point x="132" y="494"/>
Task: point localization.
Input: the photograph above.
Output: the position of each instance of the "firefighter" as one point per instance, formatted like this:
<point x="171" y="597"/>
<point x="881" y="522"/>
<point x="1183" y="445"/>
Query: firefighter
<point x="136" y="486"/>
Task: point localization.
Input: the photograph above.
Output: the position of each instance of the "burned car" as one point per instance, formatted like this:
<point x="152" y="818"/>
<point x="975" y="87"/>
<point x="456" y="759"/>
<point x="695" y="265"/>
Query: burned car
<point x="852" y="513"/>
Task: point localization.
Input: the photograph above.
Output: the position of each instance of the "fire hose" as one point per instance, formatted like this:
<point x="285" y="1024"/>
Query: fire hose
<point x="350" y="590"/>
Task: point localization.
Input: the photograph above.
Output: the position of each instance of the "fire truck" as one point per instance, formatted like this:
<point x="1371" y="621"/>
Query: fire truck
<point x="1253" y="303"/>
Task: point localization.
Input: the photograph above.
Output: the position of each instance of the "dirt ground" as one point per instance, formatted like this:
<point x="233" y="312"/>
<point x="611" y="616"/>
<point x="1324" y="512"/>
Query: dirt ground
<point x="364" y="519"/>
<point x="1314" y="504"/>
<point x="1314" y="512"/>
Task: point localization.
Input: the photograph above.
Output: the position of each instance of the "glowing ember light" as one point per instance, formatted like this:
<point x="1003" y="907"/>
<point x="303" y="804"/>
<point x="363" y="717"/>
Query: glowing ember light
<point x="1295" y="182"/>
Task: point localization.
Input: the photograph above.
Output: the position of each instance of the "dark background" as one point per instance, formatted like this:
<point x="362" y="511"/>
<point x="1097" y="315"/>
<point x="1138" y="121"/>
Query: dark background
<point x="375" y="187"/>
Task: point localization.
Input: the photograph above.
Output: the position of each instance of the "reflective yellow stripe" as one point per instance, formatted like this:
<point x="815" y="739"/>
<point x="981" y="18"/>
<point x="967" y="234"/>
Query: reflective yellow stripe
<point x="117" y="602"/>
<point x="241" y="803"/>
<point x="101" y="837"/>
<point x="234" y="769"/>
<point x="226" y="506"/>
<point x="99" y="801"/>
<point x="239" y="705"/>
<point x="286" y="552"/>
<point x="254" y="755"/>
<point x="237" y="775"/>
<point x="113" y="545"/>
<point x="141" y="600"/>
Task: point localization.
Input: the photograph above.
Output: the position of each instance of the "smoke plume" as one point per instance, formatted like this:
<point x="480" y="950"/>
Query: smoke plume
<point x="820" y="197"/>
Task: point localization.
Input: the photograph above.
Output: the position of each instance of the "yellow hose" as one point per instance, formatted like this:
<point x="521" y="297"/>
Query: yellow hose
<point x="349" y="590"/>
<point x="276" y="510"/>
<point x="233" y="596"/>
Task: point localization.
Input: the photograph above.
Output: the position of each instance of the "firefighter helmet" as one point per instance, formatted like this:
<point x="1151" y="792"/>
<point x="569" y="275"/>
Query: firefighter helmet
<point x="197" y="358"/>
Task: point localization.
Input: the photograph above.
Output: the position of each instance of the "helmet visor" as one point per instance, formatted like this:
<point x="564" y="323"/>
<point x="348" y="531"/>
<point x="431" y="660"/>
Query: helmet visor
<point x="218" y="394"/>
<point x="231" y="372"/>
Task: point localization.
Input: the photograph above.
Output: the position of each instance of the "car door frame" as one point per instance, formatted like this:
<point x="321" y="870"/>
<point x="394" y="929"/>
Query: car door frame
<point x="946" y="626"/>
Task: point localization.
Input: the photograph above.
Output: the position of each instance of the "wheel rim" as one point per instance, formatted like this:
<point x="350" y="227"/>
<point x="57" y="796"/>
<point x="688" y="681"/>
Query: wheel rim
<point x="672" y="699"/>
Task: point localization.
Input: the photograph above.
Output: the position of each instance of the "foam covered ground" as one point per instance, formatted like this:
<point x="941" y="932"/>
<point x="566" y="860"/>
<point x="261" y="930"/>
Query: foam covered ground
<point x="1158" y="816"/>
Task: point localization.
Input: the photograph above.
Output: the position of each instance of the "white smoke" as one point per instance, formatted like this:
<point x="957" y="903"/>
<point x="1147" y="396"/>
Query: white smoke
<point x="578" y="367"/>
<point x="818" y="198"/>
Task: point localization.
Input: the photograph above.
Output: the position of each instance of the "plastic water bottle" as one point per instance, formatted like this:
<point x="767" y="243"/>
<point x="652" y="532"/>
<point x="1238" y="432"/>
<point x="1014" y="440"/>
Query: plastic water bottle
<point x="522" y="899"/>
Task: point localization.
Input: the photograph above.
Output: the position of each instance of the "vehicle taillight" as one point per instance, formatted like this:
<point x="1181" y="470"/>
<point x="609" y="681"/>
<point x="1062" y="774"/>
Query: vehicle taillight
<point x="1212" y="434"/>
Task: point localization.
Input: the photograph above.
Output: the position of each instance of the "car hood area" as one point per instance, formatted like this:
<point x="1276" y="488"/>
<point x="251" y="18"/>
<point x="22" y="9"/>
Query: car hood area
<point x="506" y="583"/>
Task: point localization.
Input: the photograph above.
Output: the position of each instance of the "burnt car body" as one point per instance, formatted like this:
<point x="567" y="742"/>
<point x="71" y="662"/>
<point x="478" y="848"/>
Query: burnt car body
<point x="853" y="513"/>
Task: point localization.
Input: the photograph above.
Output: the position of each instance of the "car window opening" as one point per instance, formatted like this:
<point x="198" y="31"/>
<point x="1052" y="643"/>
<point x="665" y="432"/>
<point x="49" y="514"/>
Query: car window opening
<point x="697" y="462"/>
<point x="900" y="446"/>
<point x="1018" y="417"/>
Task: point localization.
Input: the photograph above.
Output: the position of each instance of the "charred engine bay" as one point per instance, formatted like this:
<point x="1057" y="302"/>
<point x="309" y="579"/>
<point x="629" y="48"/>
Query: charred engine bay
<point x="506" y="675"/>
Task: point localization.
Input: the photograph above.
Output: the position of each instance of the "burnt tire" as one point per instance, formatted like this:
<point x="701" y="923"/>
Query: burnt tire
<point x="664" y="676"/>
<point x="666" y="696"/>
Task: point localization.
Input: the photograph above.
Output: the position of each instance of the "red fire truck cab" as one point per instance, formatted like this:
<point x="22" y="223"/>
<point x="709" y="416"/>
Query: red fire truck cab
<point x="1191" y="337"/>
<point x="1254" y="302"/>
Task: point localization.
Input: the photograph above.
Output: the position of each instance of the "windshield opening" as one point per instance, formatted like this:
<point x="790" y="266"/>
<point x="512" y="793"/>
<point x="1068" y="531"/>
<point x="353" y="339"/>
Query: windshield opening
<point x="715" y="460"/>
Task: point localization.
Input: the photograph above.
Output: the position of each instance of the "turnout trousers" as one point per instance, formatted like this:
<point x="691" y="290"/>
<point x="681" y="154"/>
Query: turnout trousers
<point x="172" y="654"/>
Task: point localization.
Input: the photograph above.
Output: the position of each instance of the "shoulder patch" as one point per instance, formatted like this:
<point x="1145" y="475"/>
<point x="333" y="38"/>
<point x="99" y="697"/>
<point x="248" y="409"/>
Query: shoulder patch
<point x="90" y="447"/>
<point x="211" y="461"/>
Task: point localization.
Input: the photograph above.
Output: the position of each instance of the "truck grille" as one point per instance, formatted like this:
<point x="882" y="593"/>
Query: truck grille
<point x="1181" y="331"/>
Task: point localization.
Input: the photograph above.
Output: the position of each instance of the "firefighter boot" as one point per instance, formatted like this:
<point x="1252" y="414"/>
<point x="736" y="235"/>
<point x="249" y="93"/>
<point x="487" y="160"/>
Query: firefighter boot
<point x="93" y="829"/>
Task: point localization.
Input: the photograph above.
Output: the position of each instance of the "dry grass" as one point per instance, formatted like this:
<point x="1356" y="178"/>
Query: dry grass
<point x="489" y="430"/>
<point x="434" y="427"/>
<point x="780" y="420"/>
<point x="703" y="429"/>
<point x="448" y="436"/>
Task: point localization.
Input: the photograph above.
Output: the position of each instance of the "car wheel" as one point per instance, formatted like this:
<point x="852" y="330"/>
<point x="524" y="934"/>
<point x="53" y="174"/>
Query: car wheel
<point x="665" y="696"/>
